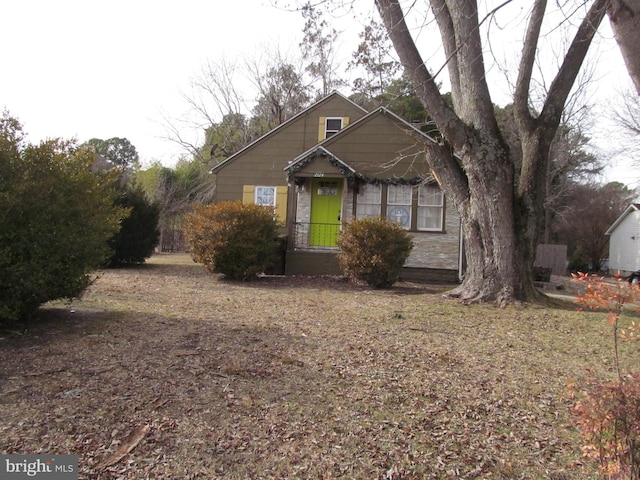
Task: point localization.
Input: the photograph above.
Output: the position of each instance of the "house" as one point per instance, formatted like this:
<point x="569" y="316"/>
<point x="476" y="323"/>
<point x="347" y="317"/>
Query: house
<point x="333" y="162"/>
<point x="624" y="241"/>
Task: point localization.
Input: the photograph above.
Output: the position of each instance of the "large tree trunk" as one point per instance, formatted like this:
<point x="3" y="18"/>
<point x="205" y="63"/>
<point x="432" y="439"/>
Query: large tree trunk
<point x="624" y="16"/>
<point x="502" y="212"/>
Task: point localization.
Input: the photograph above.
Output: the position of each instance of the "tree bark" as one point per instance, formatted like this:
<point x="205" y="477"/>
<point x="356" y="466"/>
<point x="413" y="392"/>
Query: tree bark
<point x="501" y="211"/>
<point x="624" y="16"/>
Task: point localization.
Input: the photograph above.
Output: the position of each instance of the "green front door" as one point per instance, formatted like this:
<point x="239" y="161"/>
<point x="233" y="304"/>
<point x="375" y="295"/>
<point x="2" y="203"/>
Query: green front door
<point x="326" y="204"/>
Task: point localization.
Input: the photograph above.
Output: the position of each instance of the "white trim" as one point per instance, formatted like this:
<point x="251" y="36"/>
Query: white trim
<point x="440" y="206"/>
<point x="255" y="195"/>
<point x="326" y="126"/>
<point x="627" y="211"/>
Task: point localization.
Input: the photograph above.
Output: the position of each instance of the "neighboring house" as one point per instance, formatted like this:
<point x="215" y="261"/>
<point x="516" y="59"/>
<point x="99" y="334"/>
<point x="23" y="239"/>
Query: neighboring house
<point x="334" y="162"/>
<point x="624" y="241"/>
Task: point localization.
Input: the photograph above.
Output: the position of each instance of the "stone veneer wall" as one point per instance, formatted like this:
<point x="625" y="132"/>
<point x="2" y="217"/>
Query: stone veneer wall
<point x="437" y="250"/>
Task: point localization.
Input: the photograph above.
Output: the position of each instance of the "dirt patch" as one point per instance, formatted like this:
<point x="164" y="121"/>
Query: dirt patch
<point x="295" y="377"/>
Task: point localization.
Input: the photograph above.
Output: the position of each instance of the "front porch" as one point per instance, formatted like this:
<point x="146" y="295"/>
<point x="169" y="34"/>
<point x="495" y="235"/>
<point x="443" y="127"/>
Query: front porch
<point x="312" y="249"/>
<point x="314" y="236"/>
<point x="312" y="262"/>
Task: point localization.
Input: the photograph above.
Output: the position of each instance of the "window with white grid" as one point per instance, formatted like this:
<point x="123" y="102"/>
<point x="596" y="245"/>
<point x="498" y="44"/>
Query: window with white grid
<point x="430" y="208"/>
<point x="399" y="204"/>
<point x="368" y="201"/>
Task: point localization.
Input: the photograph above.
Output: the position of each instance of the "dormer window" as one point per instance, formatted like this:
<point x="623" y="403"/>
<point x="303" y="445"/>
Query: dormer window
<point x="332" y="126"/>
<point x="329" y="126"/>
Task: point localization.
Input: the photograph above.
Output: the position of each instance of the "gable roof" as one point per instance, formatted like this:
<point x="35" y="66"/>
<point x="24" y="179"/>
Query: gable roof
<point x="319" y="151"/>
<point x="634" y="207"/>
<point x="412" y="129"/>
<point x="283" y="125"/>
<point x="323" y="148"/>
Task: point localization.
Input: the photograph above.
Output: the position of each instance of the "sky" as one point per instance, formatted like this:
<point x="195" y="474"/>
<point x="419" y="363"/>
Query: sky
<point x="90" y="69"/>
<point x="87" y="69"/>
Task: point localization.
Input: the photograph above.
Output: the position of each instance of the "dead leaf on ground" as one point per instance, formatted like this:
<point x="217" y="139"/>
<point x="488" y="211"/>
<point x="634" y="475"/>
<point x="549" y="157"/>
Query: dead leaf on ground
<point x="128" y="444"/>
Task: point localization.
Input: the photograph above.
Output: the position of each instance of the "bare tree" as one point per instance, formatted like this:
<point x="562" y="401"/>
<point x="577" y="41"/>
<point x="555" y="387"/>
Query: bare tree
<point x="624" y="112"/>
<point x="624" y="16"/>
<point x="279" y="83"/>
<point x="591" y="210"/>
<point x="215" y="94"/>
<point x="502" y="209"/>
<point x="627" y="115"/>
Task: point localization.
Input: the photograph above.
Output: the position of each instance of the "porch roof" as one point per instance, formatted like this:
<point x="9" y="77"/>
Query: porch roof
<point x="307" y="157"/>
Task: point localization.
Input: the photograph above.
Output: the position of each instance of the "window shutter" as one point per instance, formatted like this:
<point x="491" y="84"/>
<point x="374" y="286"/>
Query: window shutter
<point x="248" y="194"/>
<point x="322" y="125"/>
<point x="281" y="203"/>
<point x="345" y="121"/>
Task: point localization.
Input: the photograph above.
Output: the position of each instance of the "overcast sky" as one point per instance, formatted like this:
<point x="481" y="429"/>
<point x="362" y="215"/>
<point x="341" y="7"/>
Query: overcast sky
<point x="88" y="69"/>
<point x="85" y="69"/>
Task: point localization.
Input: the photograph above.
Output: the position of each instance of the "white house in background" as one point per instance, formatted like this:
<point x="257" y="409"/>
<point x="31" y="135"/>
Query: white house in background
<point x="624" y="241"/>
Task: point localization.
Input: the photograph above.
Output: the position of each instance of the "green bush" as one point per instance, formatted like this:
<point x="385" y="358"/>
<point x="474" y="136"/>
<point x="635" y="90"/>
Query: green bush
<point x="373" y="250"/>
<point x="56" y="216"/>
<point x="139" y="232"/>
<point x="235" y="239"/>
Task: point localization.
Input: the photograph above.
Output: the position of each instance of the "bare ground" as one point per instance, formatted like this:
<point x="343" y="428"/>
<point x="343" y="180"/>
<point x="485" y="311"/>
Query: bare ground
<point x="167" y="372"/>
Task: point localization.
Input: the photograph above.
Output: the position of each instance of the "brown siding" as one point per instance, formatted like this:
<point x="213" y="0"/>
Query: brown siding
<point x="263" y="162"/>
<point x="320" y="166"/>
<point x="379" y="141"/>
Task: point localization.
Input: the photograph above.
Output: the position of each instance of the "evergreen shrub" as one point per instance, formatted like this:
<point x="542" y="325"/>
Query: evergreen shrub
<point x="235" y="239"/>
<point x="139" y="232"/>
<point x="56" y="217"/>
<point x="373" y="250"/>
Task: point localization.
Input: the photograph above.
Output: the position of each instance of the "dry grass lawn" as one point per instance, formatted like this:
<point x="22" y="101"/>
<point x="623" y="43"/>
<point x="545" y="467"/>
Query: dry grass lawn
<point x="167" y="372"/>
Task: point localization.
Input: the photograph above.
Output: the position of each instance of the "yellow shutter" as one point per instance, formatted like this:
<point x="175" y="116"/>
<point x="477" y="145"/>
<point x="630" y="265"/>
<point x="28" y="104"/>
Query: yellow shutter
<point x="248" y="193"/>
<point x="345" y="121"/>
<point x="322" y="125"/>
<point x="281" y="204"/>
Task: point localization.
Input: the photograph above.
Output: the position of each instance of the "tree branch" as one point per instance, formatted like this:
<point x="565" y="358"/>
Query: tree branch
<point x="445" y="24"/>
<point x="527" y="62"/>
<point x="564" y="80"/>
<point x="447" y="121"/>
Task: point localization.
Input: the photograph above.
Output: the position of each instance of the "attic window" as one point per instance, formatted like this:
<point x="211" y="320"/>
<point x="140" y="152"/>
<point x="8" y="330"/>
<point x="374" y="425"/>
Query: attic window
<point x="332" y="126"/>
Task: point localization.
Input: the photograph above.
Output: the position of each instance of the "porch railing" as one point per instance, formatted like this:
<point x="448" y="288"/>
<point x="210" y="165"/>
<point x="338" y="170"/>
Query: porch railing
<point x="315" y="235"/>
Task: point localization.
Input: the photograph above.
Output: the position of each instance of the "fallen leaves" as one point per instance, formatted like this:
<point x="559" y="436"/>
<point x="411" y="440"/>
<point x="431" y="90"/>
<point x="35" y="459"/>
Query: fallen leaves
<point x="128" y="444"/>
<point x="294" y="378"/>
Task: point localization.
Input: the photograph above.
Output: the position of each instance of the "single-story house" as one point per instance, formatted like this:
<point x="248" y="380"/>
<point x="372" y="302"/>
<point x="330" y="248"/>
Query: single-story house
<point x="334" y="162"/>
<point x="624" y="241"/>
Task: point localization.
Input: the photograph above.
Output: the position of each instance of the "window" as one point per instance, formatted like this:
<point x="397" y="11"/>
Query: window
<point x="399" y="204"/>
<point x="265" y="196"/>
<point x="268" y="196"/>
<point x="430" y="208"/>
<point x="328" y="188"/>
<point x="332" y="126"/>
<point x="329" y="126"/>
<point x="416" y="208"/>
<point x="368" y="201"/>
